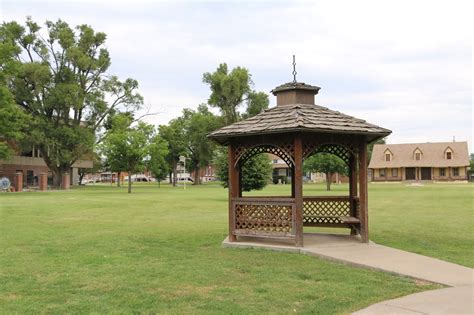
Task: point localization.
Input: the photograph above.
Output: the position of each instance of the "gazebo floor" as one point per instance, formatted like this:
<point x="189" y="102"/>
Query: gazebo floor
<point x="311" y="241"/>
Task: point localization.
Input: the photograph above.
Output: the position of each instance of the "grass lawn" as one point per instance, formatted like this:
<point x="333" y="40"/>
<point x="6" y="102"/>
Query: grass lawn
<point x="97" y="249"/>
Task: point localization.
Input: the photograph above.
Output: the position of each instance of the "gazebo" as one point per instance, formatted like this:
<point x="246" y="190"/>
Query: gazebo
<point x="293" y="130"/>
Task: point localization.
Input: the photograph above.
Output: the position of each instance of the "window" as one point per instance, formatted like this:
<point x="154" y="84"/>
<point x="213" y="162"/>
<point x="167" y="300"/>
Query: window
<point x="275" y="161"/>
<point x="442" y="172"/>
<point x="387" y="157"/>
<point x="417" y="156"/>
<point x="455" y="171"/>
<point x="449" y="155"/>
<point x="382" y="173"/>
<point x="394" y="172"/>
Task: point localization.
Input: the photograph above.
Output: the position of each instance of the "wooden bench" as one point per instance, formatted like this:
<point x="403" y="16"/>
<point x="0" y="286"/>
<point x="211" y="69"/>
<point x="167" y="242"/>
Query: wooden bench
<point x="349" y="220"/>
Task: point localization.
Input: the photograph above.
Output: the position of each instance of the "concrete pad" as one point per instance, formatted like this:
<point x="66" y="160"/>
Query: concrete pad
<point x="456" y="300"/>
<point x="349" y="249"/>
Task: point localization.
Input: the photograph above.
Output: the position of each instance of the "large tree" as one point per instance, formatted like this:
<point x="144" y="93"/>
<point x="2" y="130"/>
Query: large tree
<point x="326" y="163"/>
<point x="229" y="90"/>
<point x="12" y="118"/>
<point x="62" y="83"/>
<point x="197" y="124"/>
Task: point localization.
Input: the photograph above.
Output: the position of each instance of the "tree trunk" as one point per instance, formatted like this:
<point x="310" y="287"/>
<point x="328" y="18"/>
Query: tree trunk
<point x="196" y="175"/>
<point x="81" y="177"/>
<point x="57" y="175"/>
<point x="118" y="178"/>
<point x="328" y="180"/>
<point x="171" y="177"/>
<point x="129" y="182"/>
<point x="175" y="173"/>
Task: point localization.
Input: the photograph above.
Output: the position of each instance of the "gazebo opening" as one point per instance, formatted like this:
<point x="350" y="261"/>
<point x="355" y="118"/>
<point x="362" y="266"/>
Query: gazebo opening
<point x="294" y="130"/>
<point x="280" y="174"/>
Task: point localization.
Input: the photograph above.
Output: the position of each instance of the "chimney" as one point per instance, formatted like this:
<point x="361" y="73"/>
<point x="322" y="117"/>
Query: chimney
<point x="295" y="93"/>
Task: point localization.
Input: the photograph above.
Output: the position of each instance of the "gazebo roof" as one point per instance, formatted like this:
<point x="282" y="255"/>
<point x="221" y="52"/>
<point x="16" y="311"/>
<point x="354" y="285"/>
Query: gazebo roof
<point x="299" y="118"/>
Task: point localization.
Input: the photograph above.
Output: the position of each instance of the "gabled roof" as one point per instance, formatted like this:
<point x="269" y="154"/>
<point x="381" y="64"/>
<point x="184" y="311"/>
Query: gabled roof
<point x="433" y="155"/>
<point x="299" y="118"/>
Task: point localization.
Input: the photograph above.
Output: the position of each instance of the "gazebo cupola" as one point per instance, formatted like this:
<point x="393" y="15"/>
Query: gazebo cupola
<point x="293" y="130"/>
<point x="295" y="93"/>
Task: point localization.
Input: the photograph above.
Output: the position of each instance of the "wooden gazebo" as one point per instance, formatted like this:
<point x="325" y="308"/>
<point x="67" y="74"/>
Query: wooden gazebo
<point x="294" y="130"/>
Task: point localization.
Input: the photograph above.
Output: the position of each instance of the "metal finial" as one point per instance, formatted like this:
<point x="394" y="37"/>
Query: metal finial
<point x="294" y="70"/>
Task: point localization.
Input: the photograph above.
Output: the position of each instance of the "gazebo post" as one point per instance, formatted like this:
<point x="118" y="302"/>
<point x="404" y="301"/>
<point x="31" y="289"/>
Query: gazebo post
<point x="364" y="218"/>
<point x="353" y="187"/>
<point x="234" y="190"/>
<point x="297" y="184"/>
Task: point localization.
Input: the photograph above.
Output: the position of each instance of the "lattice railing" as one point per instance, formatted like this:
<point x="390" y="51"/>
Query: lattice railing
<point x="264" y="216"/>
<point x="325" y="210"/>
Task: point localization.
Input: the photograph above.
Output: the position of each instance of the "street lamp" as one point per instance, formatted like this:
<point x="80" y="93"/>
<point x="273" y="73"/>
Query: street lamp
<point x="182" y="159"/>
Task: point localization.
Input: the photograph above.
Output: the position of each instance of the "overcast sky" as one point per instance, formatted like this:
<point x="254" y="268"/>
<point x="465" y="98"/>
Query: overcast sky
<point x="403" y="65"/>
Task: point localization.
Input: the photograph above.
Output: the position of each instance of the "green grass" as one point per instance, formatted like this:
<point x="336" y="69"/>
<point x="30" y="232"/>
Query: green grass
<point x="99" y="250"/>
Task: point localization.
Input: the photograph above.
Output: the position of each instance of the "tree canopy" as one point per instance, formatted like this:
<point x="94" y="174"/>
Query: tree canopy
<point x="126" y="146"/>
<point x="197" y="124"/>
<point x="174" y="135"/>
<point x="61" y="82"/>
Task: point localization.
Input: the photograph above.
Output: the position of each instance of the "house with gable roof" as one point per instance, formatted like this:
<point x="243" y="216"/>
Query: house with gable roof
<point x="438" y="161"/>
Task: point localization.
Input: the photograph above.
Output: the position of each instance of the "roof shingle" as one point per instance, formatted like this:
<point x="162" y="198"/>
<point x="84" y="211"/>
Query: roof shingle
<point x="299" y="117"/>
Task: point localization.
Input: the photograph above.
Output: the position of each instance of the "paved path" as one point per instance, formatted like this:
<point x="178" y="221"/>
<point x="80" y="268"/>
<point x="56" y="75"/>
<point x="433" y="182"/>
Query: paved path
<point x="349" y="249"/>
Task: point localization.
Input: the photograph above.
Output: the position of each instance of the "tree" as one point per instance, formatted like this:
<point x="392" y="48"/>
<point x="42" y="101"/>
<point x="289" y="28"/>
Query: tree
<point x="257" y="102"/>
<point x="157" y="164"/>
<point x="126" y="147"/>
<point x="174" y="135"/>
<point x="228" y="90"/>
<point x="12" y="119"/>
<point x="256" y="171"/>
<point x="197" y="124"/>
<point x="61" y="82"/>
<point x="325" y="163"/>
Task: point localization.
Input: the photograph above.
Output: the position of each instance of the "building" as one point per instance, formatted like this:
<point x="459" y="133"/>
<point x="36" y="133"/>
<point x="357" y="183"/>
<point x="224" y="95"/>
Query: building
<point x="440" y="161"/>
<point x="30" y="164"/>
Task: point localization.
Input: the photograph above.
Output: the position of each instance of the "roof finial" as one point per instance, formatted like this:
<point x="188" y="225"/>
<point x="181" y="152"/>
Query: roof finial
<point x="294" y="70"/>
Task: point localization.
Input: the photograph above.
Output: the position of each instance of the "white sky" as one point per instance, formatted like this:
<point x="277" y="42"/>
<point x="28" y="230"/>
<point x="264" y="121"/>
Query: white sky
<point x="403" y="65"/>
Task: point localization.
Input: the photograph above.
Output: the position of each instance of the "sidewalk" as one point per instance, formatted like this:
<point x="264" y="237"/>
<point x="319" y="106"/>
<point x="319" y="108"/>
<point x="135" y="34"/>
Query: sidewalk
<point x="455" y="300"/>
<point x="349" y="250"/>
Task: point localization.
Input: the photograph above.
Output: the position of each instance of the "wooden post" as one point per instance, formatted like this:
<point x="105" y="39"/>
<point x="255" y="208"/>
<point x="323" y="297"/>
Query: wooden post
<point x="293" y="181"/>
<point x="234" y="190"/>
<point x="363" y="198"/>
<point x="353" y="187"/>
<point x="298" y="189"/>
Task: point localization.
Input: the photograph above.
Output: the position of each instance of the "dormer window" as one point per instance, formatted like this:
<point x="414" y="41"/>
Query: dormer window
<point x="388" y="155"/>
<point x="448" y="153"/>
<point x="417" y="154"/>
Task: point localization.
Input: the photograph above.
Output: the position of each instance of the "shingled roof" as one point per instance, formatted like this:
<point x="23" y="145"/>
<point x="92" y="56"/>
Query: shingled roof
<point x="433" y="155"/>
<point x="299" y="118"/>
